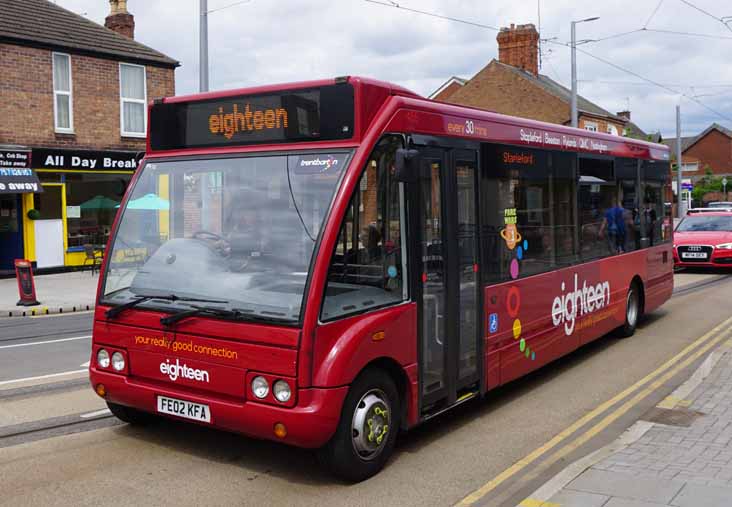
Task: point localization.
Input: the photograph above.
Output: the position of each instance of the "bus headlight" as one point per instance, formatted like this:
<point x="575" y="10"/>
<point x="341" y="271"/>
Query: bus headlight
<point x="118" y="361"/>
<point x="260" y="387"/>
<point x="282" y="391"/>
<point x="103" y="358"/>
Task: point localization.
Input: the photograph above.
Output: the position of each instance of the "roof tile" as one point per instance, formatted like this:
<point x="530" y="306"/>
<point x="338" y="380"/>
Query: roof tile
<point x="41" y="22"/>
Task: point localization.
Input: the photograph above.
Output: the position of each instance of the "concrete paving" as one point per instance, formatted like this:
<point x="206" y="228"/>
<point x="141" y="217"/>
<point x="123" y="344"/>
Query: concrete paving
<point x="58" y="293"/>
<point x="683" y="459"/>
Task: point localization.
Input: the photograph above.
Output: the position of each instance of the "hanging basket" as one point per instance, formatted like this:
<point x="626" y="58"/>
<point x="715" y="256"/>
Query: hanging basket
<point x="33" y="214"/>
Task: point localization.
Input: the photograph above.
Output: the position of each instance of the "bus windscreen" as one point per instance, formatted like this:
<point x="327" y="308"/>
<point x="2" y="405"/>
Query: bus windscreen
<point x="318" y="114"/>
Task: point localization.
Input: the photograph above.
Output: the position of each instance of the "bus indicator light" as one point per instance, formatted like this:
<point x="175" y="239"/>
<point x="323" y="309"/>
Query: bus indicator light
<point x="280" y="430"/>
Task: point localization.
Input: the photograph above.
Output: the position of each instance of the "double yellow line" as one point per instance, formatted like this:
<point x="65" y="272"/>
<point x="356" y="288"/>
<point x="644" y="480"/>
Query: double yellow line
<point x="652" y="381"/>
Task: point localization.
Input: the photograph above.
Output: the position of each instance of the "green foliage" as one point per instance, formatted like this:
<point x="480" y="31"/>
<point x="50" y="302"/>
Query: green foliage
<point x="709" y="183"/>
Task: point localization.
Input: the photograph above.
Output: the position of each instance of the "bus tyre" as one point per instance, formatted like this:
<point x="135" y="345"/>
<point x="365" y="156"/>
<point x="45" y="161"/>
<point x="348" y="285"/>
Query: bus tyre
<point x="367" y="430"/>
<point x="632" y="311"/>
<point x="129" y="415"/>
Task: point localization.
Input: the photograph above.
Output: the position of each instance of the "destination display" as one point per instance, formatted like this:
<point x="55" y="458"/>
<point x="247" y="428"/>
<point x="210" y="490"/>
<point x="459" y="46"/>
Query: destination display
<point x="319" y="114"/>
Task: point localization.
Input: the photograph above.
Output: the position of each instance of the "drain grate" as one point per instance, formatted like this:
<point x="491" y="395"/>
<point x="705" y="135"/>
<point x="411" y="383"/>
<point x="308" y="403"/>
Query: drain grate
<point x="672" y="417"/>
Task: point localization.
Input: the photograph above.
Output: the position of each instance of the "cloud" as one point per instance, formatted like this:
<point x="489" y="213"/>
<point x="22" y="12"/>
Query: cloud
<point x="265" y="41"/>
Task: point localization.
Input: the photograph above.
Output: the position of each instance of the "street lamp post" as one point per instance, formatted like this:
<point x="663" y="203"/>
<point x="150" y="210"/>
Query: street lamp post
<point x="203" y="47"/>
<point x="574" y="68"/>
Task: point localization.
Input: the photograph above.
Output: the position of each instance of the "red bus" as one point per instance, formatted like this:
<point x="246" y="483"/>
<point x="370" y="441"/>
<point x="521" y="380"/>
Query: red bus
<point x="327" y="263"/>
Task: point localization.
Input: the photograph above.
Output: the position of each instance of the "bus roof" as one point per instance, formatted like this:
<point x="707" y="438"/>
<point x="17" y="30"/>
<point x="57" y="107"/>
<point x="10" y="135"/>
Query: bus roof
<point x="259" y="118"/>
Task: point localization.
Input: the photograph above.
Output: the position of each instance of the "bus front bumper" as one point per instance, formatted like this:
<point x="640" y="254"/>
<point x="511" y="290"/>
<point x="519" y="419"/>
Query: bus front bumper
<point x="309" y="424"/>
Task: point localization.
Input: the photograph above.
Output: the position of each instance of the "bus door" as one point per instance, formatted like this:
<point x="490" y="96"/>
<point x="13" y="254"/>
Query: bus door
<point x="447" y="274"/>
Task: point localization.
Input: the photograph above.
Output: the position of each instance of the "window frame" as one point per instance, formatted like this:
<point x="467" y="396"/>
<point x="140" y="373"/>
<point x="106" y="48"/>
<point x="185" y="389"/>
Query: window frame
<point x="122" y="100"/>
<point x="595" y="126"/>
<point x="56" y="93"/>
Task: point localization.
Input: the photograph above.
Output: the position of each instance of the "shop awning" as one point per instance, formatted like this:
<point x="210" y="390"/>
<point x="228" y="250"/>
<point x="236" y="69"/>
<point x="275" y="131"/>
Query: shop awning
<point x="16" y="176"/>
<point x="19" y="181"/>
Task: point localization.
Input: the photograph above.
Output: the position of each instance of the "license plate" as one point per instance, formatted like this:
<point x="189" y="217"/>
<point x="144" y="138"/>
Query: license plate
<point x="182" y="408"/>
<point x="694" y="255"/>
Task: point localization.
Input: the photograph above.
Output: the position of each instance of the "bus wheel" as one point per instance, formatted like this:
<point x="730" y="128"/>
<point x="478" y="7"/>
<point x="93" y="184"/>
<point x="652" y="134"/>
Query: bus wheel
<point x="367" y="431"/>
<point x="129" y="414"/>
<point x="632" y="311"/>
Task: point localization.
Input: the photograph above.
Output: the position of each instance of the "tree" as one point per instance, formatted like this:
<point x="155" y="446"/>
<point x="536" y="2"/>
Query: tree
<point x="708" y="183"/>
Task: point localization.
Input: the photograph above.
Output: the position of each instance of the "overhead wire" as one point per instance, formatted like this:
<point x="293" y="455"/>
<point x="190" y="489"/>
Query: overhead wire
<point x="651" y="81"/>
<point x="591" y="55"/>
<point x="228" y="6"/>
<point x="433" y="15"/>
<point x="707" y="13"/>
<point x="660" y="2"/>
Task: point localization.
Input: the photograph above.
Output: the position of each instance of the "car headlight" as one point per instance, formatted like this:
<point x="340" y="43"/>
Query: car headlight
<point x="118" y="361"/>
<point x="260" y="387"/>
<point x="282" y="391"/>
<point x="725" y="246"/>
<point x="103" y="358"/>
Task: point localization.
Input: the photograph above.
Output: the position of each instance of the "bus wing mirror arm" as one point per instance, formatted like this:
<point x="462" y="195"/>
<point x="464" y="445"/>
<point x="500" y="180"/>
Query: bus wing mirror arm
<point x="406" y="165"/>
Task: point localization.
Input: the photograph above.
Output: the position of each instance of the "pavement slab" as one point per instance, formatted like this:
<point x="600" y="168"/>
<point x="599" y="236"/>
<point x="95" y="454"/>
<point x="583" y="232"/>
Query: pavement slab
<point x="679" y="462"/>
<point x="615" y="484"/>
<point x="58" y="293"/>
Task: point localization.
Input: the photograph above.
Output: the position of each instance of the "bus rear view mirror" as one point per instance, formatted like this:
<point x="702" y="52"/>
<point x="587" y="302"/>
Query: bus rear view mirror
<point x="407" y="165"/>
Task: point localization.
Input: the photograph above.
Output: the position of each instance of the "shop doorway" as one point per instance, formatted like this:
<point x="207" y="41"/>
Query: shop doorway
<point x="49" y="228"/>
<point x="11" y="231"/>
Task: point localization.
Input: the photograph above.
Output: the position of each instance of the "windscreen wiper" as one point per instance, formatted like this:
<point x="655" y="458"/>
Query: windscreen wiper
<point x="141" y="298"/>
<point x="233" y="314"/>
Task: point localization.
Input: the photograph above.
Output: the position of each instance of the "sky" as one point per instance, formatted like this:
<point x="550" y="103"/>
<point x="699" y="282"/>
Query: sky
<point x="258" y="42"/>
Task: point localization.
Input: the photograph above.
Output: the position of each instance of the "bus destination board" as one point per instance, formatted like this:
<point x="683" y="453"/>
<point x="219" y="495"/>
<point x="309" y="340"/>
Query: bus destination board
<point x="320" y="114"/>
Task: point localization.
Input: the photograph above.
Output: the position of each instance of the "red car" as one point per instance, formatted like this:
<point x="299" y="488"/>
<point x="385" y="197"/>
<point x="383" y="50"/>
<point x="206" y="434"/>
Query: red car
<point x="704" y="240"/>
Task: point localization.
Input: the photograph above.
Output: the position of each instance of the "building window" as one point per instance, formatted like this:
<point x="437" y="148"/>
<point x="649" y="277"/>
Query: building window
<point x="63" y="106"/>
<point x="689" y="167"/>
<point x="591" y="126"/>
<point x="133" y="99"/>
<point x="612" y="130"/>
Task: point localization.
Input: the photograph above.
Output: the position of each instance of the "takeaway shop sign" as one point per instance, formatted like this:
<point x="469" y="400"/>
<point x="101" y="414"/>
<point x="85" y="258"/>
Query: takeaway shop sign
<point x="16" y="176"/>
<point x="88" y="160"/>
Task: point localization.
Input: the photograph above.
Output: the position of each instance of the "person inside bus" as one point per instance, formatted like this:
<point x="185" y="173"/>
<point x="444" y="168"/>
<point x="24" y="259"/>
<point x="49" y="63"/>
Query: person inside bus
<point x="613" y="227"/>
<point x="651" y="218"/>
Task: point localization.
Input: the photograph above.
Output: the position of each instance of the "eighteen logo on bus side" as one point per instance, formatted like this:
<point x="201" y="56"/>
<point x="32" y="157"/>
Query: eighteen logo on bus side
<point x="582" y="300"/>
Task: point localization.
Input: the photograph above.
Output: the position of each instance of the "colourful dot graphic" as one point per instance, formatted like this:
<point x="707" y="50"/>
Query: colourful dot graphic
<point x="514" y="269"/>
<point x="513" y="301"/>
<point x="516" y="329"/>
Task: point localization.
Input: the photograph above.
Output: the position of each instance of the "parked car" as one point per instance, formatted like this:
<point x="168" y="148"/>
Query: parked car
<point x="704" y="240"/>
<point x="720" y="204"/>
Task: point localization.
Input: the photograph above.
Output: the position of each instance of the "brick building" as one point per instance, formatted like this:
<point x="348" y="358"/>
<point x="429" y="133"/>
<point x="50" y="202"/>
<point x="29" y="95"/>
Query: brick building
<point x="74" y="109"/>
<point x="512" y="85"/>
<point x="711" y="149"/>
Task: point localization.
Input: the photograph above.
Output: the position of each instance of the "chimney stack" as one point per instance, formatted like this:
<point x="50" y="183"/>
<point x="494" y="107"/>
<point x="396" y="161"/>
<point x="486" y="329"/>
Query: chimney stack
<point x="623" y="114"/>
<point x="518" y="46"/>
<point x="120" y="20"/>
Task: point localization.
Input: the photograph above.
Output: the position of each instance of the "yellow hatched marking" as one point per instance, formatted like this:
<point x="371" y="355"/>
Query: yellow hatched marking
<point x="533" y="502"/>
<point x="671" y="402"/>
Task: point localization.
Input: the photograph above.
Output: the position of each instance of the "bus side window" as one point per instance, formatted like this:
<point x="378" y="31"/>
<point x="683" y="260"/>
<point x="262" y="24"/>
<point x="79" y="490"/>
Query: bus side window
<point x="656" y="222"/>
<point x="366" y="269"/>
<point x="531" y="192"/>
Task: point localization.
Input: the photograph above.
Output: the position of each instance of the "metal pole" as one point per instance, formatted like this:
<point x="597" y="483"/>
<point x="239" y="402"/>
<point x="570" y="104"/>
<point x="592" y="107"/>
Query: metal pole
<point x="203" y="47"/>
<point x="680" y="211"/>
<point x="574" y="74"/>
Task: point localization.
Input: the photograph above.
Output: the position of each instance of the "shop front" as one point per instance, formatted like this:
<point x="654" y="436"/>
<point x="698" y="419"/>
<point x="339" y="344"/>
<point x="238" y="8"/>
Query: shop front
<point x="71" y="219"/>
<point x="17" y="180"/>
